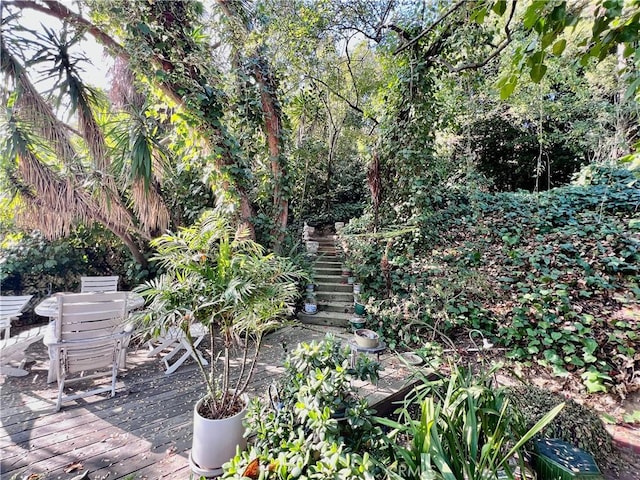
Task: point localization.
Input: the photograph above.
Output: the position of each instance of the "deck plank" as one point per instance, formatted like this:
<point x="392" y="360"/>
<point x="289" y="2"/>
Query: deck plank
<point x="145" y="430"/>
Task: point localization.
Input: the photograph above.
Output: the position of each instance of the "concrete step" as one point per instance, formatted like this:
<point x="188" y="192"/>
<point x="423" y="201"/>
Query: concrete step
<point x="325" y="264"/>
<point x="334" y="270"/>
<point x="334" y="319"/>
<point x="329" y="296"/>
<point x="332" y="254"/>
<point x="329" y="258"/>
<point x="333" y="287"/>
<point x="340" y="307"/>
<point x="321" y="277"/>
<point x="324" y="240"/>
<point x="326" y="257"/>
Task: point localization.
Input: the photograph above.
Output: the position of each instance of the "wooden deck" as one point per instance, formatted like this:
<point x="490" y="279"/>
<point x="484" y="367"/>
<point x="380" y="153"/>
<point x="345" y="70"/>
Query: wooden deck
<point x="144" y="432"/>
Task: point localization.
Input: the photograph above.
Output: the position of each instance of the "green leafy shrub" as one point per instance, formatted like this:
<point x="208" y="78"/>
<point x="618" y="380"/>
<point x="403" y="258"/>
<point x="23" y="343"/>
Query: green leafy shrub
<point x="576" y="424"/>
<point x="319" y="428"/>
<point x="553" y="276"/>
<point x="33" y="265"/>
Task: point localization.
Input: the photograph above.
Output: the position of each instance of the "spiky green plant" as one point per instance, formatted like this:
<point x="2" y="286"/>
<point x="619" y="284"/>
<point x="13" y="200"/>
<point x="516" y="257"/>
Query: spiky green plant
<point x="215" y="275"/>
<point x="466" y="430"/>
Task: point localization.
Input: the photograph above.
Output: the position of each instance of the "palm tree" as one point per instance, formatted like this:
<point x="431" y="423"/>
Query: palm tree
<point x="62" y="175"/>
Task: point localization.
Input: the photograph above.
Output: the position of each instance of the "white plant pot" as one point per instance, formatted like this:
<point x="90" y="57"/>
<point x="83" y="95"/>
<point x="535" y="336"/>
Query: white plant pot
<point x="215" y="441"/>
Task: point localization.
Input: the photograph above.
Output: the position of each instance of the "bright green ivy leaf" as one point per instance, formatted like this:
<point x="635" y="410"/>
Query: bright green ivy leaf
<point x="552" y="357"/>
<point x="480" y="15"/>
<point x="590" y="345"/>
<point x="633" y="417"/>
<point x="507" y="89"/>
<point x="594" y="381"/>
<point x="559" y="47"/>
<point x="500" y="7"/>
<point x="531" y="15"/>
<point x="589" y="358"/>
<point x="537" y="72"/>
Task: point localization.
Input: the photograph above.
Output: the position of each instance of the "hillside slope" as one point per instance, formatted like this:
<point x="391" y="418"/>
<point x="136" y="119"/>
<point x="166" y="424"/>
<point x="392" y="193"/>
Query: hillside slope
<point x="553" y="277"/>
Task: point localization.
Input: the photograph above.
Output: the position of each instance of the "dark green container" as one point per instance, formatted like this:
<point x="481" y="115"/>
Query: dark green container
<point x="558" y="460"/>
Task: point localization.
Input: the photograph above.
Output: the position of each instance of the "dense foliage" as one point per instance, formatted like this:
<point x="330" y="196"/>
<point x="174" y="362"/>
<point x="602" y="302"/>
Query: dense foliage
<point x="317" y="427"/>
<point x="401" y="113"/>
<point x="552" y="276"/>
<point x="32" y="265"/>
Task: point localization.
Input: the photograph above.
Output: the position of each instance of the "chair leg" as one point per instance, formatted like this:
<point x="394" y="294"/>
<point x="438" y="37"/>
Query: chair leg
<point x="114" y="373"/>
<point x="53" y="365"/>
<point x="164" y="343"/>
<point x="60" y="388"/>
<point x="197" y="352"/>
<point x="177" y="363"/>
<point x="176" y="349"/>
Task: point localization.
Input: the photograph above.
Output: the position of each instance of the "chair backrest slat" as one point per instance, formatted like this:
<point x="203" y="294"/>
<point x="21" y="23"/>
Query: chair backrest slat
<point x="84" y="316"/>
<point x="12" y="305"/>
<point x="99" y="284"/>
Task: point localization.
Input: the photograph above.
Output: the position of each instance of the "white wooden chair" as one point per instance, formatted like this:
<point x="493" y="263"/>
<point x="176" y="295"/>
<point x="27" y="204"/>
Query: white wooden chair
<point x="13" y="352"/>
<point x="99" y="284"/>
<point x="174" y="342"/>
<point x="89" y="335"/>
<point x="11" y="308"/>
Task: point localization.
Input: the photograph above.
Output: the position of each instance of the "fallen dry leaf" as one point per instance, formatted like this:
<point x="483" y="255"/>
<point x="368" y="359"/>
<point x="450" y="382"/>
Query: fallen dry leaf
<point x="73" y="467"/>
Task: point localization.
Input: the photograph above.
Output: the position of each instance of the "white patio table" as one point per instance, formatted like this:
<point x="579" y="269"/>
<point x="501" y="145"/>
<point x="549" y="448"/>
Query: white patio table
<point x="49" y="308"/>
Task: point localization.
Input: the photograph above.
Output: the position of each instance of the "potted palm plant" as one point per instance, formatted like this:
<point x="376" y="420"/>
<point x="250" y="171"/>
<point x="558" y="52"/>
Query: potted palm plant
<point x="216" y="276"/>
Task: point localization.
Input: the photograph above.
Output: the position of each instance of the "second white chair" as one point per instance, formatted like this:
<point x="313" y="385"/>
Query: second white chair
<point x="11" y="308"/>
<point x="99" y="284"/>
<point x="174" y="341"/>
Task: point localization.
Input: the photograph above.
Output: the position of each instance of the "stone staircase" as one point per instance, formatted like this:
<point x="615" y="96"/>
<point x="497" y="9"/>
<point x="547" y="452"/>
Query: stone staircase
<point x="334" y="298"/>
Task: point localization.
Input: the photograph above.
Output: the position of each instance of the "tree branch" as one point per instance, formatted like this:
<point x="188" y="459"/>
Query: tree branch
<point x="381" y="25"/>
<point x="430" y="28"/>
<point x="353" y="79"/>
<point x="341" y="97"/>
<point x="57" y="10"/>
<point x="495" y="53"/>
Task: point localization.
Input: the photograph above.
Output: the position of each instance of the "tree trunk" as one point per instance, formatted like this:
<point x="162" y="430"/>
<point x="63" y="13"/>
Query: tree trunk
<point x="133" y="248"/>
<point x="273" y="130"/>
